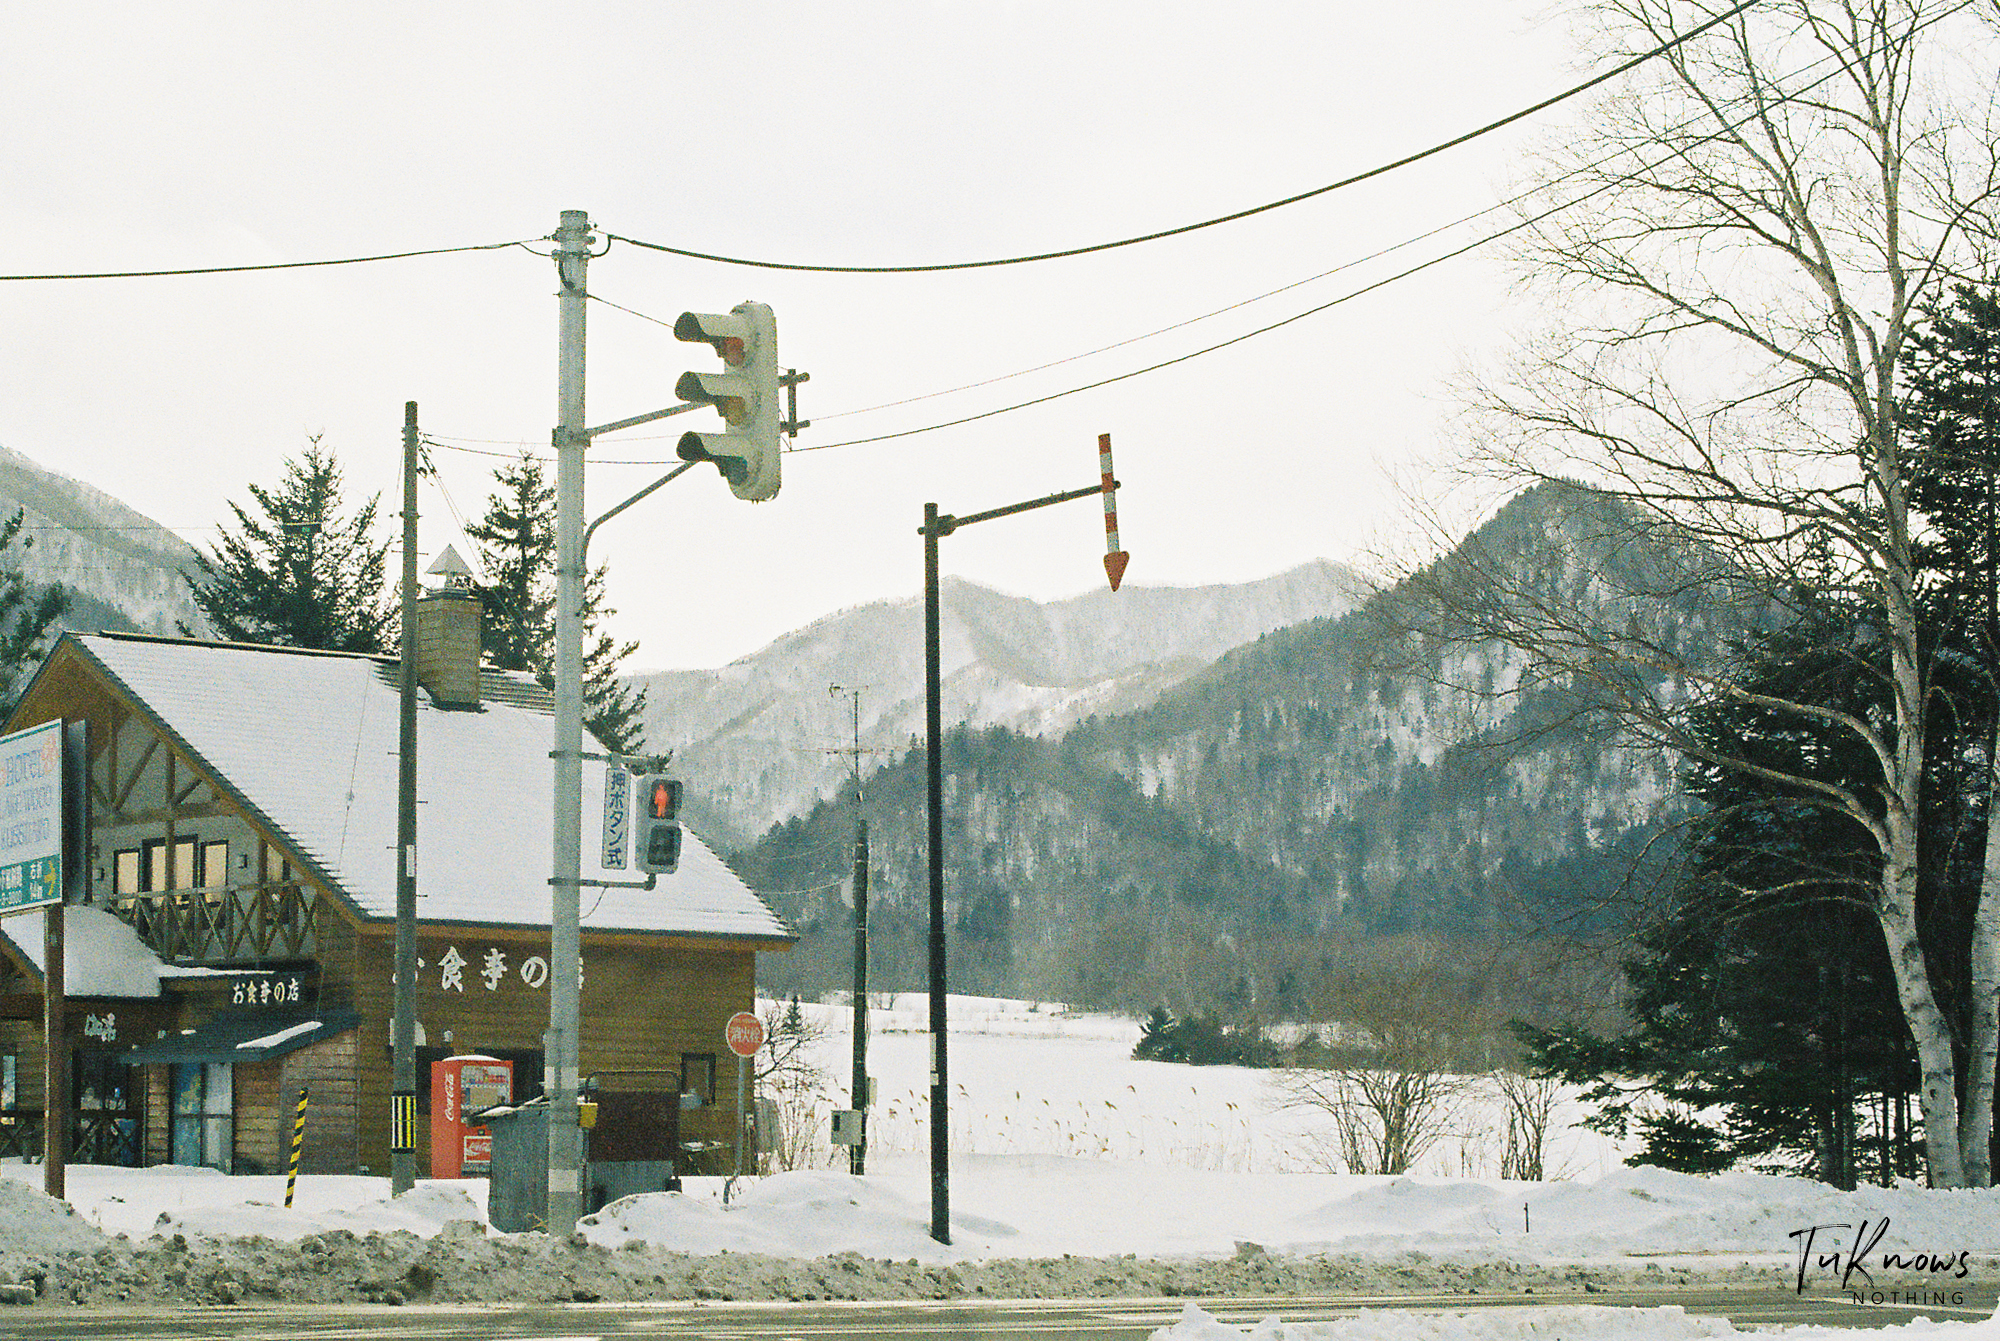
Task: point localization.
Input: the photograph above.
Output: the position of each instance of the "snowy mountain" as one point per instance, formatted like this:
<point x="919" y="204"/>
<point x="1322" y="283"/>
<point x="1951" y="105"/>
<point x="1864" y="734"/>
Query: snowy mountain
<point x="1336" y="777"/>
<point x="123" y="570"/>
<point x="760" y="733"/>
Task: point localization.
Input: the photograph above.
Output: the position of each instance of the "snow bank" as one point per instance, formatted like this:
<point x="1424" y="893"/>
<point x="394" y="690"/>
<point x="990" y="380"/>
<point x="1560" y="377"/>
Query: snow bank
<point x="33" y="1223"/>
<point x="792" y="1215"/>
<point x="1638" y="1211"/>
<point x="1542" y="1324"/>
<point x="424" y="1210"/>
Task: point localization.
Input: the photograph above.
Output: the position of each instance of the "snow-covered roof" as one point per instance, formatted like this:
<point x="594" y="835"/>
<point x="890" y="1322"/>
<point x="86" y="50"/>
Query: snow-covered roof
<point x="101" y="955"/>
<point x="308" y="741"/>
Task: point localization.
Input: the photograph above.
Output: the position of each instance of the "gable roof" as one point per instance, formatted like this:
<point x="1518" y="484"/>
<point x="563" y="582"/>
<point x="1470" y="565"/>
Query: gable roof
<point x="308" y="743"/>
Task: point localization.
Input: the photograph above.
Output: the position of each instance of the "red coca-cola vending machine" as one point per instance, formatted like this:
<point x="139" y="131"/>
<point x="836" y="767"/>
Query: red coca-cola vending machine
<point x="462" y="1085"/>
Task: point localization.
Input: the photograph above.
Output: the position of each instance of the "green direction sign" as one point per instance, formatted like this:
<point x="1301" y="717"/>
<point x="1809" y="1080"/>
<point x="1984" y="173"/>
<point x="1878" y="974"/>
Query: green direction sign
<point x="31" y="813"/>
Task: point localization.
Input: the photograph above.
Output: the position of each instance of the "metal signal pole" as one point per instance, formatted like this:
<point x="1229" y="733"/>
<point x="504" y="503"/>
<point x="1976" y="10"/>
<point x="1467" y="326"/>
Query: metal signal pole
<point x="937" y="526"/>
<point x="560" y="1049"/>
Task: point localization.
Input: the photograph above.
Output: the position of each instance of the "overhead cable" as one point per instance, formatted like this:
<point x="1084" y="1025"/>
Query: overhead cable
<point x="1354" y="180"/>
<point x="274" y="265"/>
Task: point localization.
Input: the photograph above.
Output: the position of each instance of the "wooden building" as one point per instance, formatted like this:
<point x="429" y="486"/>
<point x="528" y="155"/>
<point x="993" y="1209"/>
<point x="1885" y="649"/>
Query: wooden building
<point x="236" y="941"/>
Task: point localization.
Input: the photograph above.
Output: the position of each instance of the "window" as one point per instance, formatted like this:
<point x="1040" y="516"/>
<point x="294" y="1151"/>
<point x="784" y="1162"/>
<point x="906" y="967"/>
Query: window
<point x="203" y="1114"/>
<point x="277" y="871"/>
<point x="99" y="1079"/>
<point x="214" y="865"/>
<point x="169" y="865"/>
<point x="125" y="872"/>
<point x="698" y="1076"/>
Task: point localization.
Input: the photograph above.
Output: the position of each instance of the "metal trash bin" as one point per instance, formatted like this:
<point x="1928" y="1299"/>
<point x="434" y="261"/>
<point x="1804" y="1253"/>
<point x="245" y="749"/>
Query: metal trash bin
<point x="632" y="1147"/>
<point x="517" y="1198"/>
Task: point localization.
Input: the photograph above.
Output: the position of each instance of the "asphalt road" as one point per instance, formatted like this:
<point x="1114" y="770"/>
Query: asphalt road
<point x="1030" y="1320"/>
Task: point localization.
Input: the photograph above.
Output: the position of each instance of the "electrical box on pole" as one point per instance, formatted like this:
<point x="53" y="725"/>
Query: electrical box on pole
<point x="745" y="394"/>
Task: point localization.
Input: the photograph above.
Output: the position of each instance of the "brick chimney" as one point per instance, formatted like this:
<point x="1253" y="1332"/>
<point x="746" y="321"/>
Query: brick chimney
<point x="447" y="644"/>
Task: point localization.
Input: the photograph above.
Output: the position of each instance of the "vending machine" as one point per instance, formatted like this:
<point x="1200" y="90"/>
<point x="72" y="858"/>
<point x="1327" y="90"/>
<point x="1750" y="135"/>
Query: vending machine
<point x="462" y="1085"/>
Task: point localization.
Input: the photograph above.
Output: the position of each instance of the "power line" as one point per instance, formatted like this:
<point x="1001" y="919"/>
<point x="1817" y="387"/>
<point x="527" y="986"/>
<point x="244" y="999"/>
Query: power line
<point x="1276" y="325"/>
<point x="452" y="445"/>
<point x="274" y="265"/>
<point x="1354" y="180"/>
<point x="1209" y="349"/>
<point x="1335" y="302"/>
<point x="629" y="311"/>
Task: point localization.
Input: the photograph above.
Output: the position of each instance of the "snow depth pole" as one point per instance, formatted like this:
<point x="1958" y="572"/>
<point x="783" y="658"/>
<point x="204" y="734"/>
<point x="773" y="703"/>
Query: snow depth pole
<point x="403" y="1027"/>
<point x="572" y="257"/>
<point x="298" y="1148"/>
<point x="936" y="526"/>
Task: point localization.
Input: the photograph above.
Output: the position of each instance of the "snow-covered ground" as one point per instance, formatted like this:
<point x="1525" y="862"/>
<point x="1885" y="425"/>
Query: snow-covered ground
<point x="1076" y="1170"/>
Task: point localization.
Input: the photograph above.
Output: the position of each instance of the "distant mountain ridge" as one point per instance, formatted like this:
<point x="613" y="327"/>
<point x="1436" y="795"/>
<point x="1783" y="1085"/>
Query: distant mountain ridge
<point x="1342" y="776"/>
<point x="125" y="571"/>
<point x="757" y="737"/>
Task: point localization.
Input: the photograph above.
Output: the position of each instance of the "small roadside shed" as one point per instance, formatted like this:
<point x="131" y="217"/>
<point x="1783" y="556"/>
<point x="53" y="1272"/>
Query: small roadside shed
<point x="235" y="943"/>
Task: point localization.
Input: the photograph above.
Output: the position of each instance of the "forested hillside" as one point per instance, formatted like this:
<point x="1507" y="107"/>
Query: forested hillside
<point x="1322" y="786"/>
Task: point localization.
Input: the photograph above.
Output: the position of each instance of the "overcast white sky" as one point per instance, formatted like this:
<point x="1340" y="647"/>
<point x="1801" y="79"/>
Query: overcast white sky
<point x="155" y="136"/>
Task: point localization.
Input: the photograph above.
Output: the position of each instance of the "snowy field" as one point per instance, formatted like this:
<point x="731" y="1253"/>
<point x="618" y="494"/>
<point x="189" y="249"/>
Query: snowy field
<point x="1062" y="1146"/>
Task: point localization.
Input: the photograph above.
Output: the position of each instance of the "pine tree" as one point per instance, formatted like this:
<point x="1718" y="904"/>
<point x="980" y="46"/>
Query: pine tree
<point x="298" y="574"/>
<point x="517" y="538"/>
<point x="1765" y="1023"/>
<point x="1951" y="410"/>
<point x="27" y="617"/>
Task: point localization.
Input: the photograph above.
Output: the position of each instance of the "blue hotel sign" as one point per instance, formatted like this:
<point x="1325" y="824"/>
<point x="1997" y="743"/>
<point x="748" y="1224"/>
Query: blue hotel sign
<point x="31" y="818"/>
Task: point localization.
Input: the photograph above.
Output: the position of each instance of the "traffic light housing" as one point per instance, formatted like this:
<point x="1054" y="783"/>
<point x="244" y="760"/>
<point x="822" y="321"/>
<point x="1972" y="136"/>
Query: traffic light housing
<point x="745" y="394"/>
<point x="659" y="829"/>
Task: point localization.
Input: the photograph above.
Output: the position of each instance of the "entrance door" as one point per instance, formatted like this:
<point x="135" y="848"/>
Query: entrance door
<point x="204" y="1114"/>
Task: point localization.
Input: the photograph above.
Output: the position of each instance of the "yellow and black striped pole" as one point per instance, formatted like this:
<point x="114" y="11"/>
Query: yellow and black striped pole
<point x="298" y="1146"/>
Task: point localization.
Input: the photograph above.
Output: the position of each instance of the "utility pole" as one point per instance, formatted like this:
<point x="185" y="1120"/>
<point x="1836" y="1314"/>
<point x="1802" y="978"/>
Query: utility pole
<point x="857" y="1154"/>
<point x="934" y="529"/>
<point x="403" y="1040"/>
<point x="560" y="1049"/>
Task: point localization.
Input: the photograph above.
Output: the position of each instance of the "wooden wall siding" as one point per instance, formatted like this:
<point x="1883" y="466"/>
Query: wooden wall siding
<point x="159" y="1115"/>
<point x="643" y="1005"/>
<point x="326" y="1070"/>
<point x="256" y="1147"/>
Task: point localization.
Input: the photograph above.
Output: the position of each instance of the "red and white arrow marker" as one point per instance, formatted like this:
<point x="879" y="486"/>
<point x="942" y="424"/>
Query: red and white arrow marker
<point x="1115" y="558"/>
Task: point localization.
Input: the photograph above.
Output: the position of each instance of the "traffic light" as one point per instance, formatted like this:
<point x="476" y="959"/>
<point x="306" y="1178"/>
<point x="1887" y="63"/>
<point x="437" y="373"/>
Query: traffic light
<point x="659" y="836"/>
<point x="746" y="395"/>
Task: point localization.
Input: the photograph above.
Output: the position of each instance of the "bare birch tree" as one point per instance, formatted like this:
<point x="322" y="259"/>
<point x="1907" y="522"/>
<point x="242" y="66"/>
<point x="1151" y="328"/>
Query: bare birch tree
<point x="1761" y="217"/>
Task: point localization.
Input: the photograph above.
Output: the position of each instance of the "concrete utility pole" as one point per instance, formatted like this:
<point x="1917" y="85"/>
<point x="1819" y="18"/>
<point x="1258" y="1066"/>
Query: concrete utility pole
<point x="560" y="1050"/>
<point x="857" y="1154"/>
<point x="403" y="1039"/>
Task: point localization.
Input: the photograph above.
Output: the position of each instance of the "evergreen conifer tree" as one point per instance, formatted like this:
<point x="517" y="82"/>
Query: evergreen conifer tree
<point x="517" y="539"/>
<point x="27" y="616"/>
<point x="298" y="574"/>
